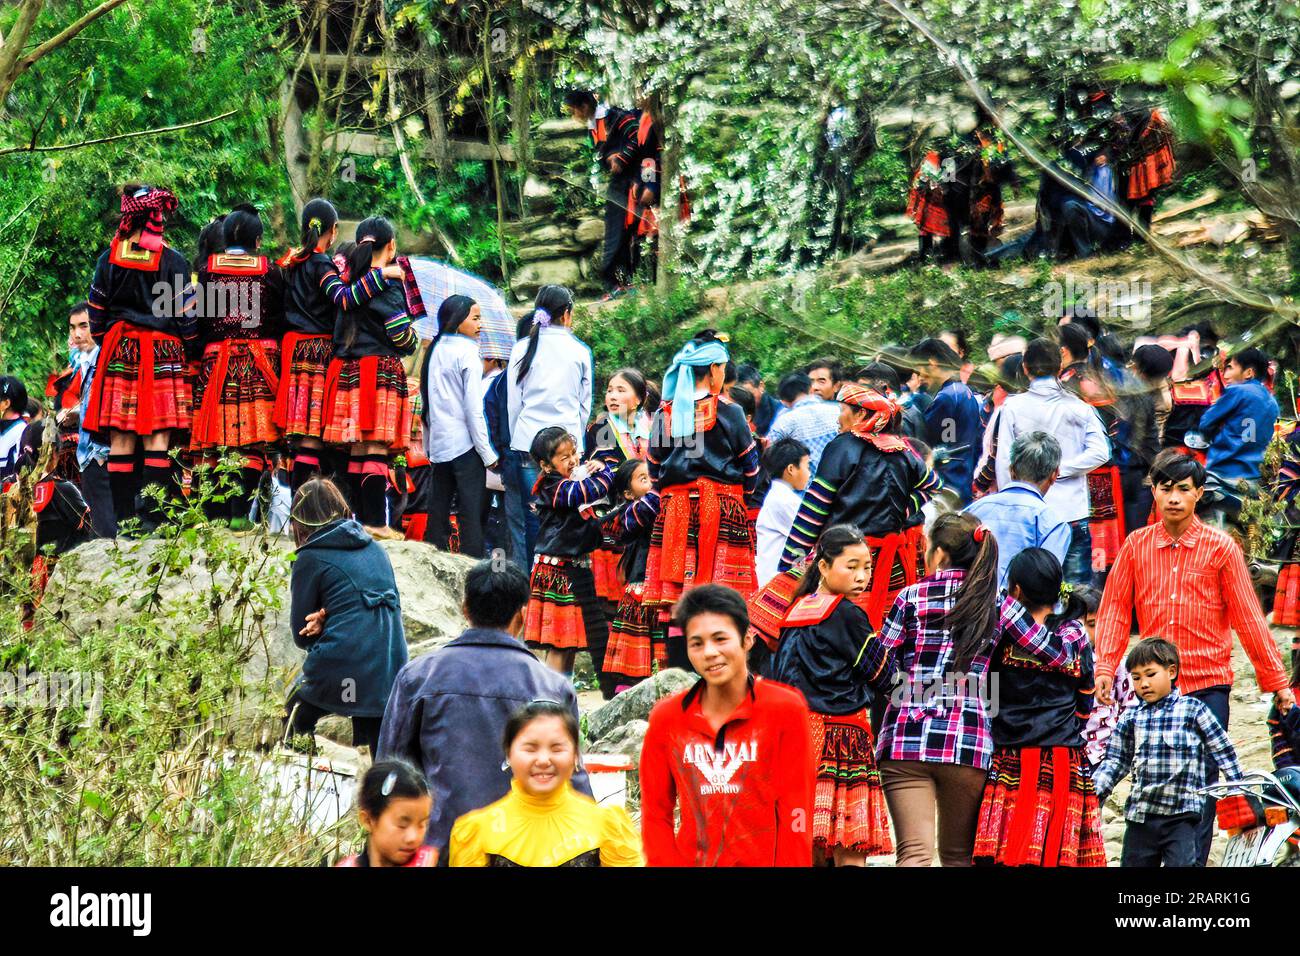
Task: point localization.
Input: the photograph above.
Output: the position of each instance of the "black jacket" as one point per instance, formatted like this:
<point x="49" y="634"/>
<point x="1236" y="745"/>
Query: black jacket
<point x="1041" y="706"/>
<point x="874" y="489"/>
<point x="837" y="664"/>
<point x="154" y="297"/>
<point x="720" y="453"/>
<point x="380" y="327"/>
<point x="563" y="530"/>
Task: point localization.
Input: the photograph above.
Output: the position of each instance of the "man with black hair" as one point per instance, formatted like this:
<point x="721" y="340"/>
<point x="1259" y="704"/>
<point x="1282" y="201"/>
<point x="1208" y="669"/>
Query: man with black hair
<point x="953" y="418"/>
<point x="1047" y="406"/>
<point x="826" y="375"/>
<point x="1239" y="425"/>
<point x="731" y="758"/>
<point x="807" y="419"/>
<point x="448" y="709"/>
<point x="765" y="406"/>
<point x="614" y="134"/>
<point x="1188" y="583"/>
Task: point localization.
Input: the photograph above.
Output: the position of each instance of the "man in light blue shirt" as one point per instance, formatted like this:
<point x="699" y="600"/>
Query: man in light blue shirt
<point x="808" y="419"/>
<point x="1017" y="515"/>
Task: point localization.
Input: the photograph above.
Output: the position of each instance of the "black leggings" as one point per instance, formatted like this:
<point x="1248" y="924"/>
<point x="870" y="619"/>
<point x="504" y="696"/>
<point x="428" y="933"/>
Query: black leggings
<point x="365" y="730"/>
<point x="467" y="477"/>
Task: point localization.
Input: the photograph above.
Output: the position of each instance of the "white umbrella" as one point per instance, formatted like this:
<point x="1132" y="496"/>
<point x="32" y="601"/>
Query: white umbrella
<point x="437" y="280"/>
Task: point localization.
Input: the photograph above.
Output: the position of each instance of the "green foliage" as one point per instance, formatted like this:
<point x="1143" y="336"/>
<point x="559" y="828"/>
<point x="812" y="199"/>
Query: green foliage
<point x="138" y="761"/>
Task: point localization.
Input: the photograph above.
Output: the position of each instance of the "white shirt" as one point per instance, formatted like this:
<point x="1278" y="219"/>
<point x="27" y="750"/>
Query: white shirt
<point x="556" y="391"/>
<point x="1047" y="407"/>
<point x="775" y="519"/>
<point x="455" y="402"/>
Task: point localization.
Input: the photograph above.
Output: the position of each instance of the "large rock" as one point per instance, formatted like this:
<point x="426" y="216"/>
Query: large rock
<point x="531" y="276"/>
<point x="430" y="583"/>
<point x="634" y="704"/>
<point x="590" y="231"/>
<point x="550" y="250"/>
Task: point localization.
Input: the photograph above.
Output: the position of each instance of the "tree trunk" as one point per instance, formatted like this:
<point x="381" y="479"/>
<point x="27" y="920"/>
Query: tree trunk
<point x="490" y="115"/>
<point x="440" y="150"/>
<point x="670" y="229"/>
<point x="11" y="50"/>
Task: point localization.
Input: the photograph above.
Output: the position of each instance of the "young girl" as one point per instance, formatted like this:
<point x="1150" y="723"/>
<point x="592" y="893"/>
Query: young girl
<point x="935" y="742"/>
<point x="1039" y="806"/>
<point x="564" y="614"/>
<point x="308" y="283"/>
<point x="240" y="329"/>
<point x="828" y="651"/>
<point x="704" y="460"/>
<point x="393" y="804"/>
<point x="455" y="429"/>
<point x="140" y="392"/>
<point x="366" y="404"/>
<point x="543" y="821"/>
<point x="636" y="641"/>
<point x="620" y="434"/>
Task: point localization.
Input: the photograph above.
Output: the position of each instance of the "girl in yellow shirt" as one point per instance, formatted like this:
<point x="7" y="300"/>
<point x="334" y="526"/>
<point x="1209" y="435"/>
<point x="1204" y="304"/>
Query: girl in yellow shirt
<point x="543" y="821"/>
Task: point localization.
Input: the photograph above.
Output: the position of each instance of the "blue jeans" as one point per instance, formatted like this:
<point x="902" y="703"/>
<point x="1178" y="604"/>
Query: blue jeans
<point x="1077" y="566"/>
<point x="1215" y="698"/>
<point x="519" y="474"/>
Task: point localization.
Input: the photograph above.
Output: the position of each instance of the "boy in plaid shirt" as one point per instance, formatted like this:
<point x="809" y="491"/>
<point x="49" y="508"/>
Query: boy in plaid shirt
<point x="1166" y="740"/>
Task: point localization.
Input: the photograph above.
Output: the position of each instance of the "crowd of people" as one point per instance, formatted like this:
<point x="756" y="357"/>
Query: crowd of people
<point x="907" y="587"/>
<point x="1122" y="156"/>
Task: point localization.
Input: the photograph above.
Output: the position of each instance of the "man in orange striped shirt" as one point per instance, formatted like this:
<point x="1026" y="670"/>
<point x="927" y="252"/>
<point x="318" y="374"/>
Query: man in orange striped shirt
<point x="1188" y="583"/>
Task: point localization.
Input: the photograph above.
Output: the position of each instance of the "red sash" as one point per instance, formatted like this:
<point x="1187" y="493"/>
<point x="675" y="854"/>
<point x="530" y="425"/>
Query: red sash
<point x="675" y="500"/>
<point x="212" y="395"/>
<point x="144" y="388"/>
<point x="369" y="373"/>
<point x="287" y="346"/>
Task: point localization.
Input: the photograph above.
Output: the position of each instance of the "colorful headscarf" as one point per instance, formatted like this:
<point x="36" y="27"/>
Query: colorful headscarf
<point x="679" y="380"/>
<point x="150" y="207"/>
<point x="881" y="411"/>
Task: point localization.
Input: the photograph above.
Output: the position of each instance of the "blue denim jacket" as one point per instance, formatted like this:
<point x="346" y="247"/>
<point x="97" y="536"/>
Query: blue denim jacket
<point x="447" y="715"/>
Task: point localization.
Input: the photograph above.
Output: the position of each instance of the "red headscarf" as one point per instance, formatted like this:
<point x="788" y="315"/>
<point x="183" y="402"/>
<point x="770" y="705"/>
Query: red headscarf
<point x="151" y="208"/>
<point x="881" y="411"/>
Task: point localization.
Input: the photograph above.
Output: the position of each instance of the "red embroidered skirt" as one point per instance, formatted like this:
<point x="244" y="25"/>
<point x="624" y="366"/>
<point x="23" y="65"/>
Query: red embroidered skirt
<point x="604" y="566"/>
<point x="1156" y="167"/>
<point x="925" y="208"/>
<point x="1105" y="515"/>
<point x="234" y="395"/>
<point x="562" y="605"/>
<point x="140" y="385"/>
<point x="636" y="639"/>
<point x="300" y="399"/>
<point x="1286" y="598"/>
<point x="1040" y="809"/>
<point x="701" y="536"/>
<point x="848" y="800"/>
<point x="366" y="401"/>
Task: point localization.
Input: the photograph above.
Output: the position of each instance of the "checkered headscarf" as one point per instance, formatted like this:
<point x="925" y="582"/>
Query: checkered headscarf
<point x="146" y="213"/>
<point x="881" y="409"/>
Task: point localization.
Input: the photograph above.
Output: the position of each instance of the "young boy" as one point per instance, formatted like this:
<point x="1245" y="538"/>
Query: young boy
<point x="1167" y="741"/>
<point x="1239" y="425"/>
<point x="733" y="753"/>
<point x="790" y="467"/>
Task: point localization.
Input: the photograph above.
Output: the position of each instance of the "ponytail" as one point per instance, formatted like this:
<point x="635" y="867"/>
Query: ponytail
<point x="242" y="227"/>
<point x="318" y="218"/>
<point x="552" y="302"/>
<point x="973" y="618"/>
<point x="373" y="233"/>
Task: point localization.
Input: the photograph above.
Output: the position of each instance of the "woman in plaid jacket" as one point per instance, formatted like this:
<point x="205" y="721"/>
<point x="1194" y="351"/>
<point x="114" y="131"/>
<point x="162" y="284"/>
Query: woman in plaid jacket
<point x="935" y="742"/>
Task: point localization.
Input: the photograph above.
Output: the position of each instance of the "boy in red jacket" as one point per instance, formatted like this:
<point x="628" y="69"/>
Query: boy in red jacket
<point x="733" y="752"/>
